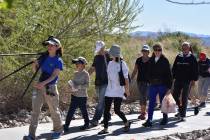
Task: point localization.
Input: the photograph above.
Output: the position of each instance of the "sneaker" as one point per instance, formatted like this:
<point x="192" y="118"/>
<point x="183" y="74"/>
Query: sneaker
<point x="127" y="128"/>
<point x="84" y="127"/>
<point x="29" y="137"/>
<point x="147" y="124"/>
<point x="104" y="131"/>
<point x="196" y="110"/>
<point x="94" y="123"/>
<point x="56" y="135"/>
<point x="142" y="116"/>
<point x="65" y="128"/>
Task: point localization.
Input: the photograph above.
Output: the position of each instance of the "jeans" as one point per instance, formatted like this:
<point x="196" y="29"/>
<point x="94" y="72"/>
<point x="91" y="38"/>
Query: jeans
<point x="153" y="91"/>
<point x="181" y="88"/>
<point x="117" y="105"/>
<point x="100" y="92"/>
<point x="75" y="103"/>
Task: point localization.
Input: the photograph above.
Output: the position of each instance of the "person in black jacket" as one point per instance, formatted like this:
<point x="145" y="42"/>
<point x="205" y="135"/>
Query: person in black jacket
<point x="185" y="73"/>
<point x="160" y="79"/>
<point x="204" y="78"/>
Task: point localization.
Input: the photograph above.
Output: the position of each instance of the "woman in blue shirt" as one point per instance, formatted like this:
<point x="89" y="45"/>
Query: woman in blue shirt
<point x="46" y="88"/>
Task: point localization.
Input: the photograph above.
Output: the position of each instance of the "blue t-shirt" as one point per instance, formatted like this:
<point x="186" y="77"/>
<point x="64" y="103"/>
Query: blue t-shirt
<point x="49" y="65"/>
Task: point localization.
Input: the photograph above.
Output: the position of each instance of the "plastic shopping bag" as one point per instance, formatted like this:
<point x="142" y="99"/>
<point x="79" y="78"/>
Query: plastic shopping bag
<point x="168" y="104"/>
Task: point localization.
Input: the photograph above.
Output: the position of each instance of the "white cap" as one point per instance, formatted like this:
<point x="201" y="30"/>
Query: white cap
<point x="99" y="45"/>
<point x="146" y="47"/>
<point x="54" y="41"/>
<point x="186" y="44"/>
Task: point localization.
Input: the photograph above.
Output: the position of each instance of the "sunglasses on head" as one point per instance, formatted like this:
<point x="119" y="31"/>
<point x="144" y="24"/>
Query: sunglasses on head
<point x="158" y="50"/>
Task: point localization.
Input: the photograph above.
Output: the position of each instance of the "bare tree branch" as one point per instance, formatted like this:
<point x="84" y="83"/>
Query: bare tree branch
<point x="189" y="3"/>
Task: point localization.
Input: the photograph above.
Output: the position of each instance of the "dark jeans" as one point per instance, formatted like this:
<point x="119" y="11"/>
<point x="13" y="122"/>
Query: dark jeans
<point x="181" y="87"/>
<point x="77" y="102"/>
<point x="117" y="105"/>
<point x="154" y="90"/>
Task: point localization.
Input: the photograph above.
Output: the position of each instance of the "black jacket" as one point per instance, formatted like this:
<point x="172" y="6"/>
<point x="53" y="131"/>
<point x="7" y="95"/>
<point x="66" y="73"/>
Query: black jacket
<point x="203" y="67"/>
<point x="185" y="68"/>
<point x="160" y="70"/>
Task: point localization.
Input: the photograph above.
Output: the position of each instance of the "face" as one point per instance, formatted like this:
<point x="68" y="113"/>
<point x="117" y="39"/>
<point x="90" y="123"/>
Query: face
<point x="158" y="52"/>
<point x="52" y="48"/>
<point x="145" y="53"/>
<point x="80" y="66"/>
<point x="185" y="49"/>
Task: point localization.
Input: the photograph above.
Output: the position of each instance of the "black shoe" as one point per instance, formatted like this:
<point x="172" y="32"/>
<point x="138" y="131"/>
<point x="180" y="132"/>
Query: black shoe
<point x="202" y="105"/>
<point x="196" y="110"/>
<point x="104" y="131"/>
<point x="147" y="124"/>
<point x="65" y="128"/>
<point x="164" y="122"/>
<point x="127" y="128"/>
<point x="182" y="119"/>
<point x="84" y="127"/>
<point x="177" y="115"/>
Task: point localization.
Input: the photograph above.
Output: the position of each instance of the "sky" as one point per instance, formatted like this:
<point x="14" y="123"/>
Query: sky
<point x="160" y="15"/>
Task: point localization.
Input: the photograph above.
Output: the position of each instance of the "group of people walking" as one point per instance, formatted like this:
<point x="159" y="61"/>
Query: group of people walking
<point x="155" y="78"/>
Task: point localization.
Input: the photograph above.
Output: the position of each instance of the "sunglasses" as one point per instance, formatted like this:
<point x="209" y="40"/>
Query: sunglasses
<point x="158" y="50"/>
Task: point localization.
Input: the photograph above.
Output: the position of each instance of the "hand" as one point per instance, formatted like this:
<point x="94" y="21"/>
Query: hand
<point x="127" y="92"/>
<point x="39" y="85"/>
<point x="209" y="70"/>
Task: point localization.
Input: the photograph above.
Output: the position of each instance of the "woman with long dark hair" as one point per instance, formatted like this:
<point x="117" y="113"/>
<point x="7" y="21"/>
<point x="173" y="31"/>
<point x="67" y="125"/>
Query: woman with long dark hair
<point x="160" y="79"/>
<point x="46" y="88"/>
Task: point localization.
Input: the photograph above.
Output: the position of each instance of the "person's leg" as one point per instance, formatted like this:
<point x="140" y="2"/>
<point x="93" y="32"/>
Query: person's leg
<point x="100" y="92"/>
<point x="143" y="93"/>
<point x="53" y="104"/>
<point x="117" y="105"/>
<point x="108" y="104"/>
<point x="83" y="108"/>
<point x="185" y="93"/>
<point x="152" y="101"/>
<point x="37" y="102"/>
<point x="200" y="90"/>
<point x="176" y="93"/>
<point x="73" y="106"/>
<point x="205" y="87"/>
<point x="162" y="91"/>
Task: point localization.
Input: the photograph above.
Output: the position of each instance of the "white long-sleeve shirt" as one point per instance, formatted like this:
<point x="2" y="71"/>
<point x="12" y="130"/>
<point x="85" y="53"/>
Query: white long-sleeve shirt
<point x="114" y="89"/>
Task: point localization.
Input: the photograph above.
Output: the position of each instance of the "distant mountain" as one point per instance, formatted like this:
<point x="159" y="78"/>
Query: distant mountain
<point x="148" y="34"/>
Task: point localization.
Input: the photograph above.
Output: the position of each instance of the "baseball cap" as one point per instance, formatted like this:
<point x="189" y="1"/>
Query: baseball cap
<point x="80" y="60"/>
<point x="99" y="44"/>
<point x="146" y="47"/>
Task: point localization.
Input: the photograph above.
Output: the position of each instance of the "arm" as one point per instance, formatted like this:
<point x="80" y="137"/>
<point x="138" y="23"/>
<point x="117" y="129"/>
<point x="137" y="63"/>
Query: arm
<point x="85" y="85"/>
<point x="174" y="67"/>
<point x="134" y="72"/>
<point x="42" y="84"/>
<point x="35" y="65"/>
<point x="91" y="70"/>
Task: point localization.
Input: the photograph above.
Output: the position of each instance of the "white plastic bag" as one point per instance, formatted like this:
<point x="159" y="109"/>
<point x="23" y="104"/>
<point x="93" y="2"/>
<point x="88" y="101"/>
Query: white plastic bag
<point x="168" y="104"/>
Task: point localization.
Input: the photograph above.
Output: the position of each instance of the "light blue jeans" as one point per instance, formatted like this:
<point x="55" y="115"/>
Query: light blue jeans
<point x="100" y="93"/>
